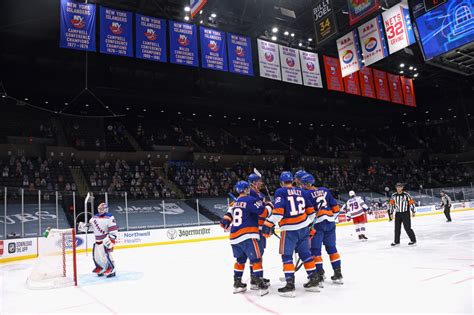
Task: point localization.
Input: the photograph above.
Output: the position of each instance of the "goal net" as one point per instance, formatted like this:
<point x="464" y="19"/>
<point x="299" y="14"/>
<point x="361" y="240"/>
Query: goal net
<point x="56" y="265"/>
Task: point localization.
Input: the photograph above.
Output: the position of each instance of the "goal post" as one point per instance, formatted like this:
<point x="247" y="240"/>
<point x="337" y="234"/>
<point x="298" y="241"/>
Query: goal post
<point x="56" y="266"/>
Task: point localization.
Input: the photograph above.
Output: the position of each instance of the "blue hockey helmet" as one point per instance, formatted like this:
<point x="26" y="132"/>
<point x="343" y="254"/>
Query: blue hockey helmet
<point x="308" y="179"/>
<point x="286" y="177"/>
<point x="299" y="174"/>
<point x="253" y="178"/>
<point x="241" y="186"/>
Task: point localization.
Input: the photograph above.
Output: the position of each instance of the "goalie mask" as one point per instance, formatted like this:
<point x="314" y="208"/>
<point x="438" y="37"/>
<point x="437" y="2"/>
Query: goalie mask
<point x="103" y="208"/>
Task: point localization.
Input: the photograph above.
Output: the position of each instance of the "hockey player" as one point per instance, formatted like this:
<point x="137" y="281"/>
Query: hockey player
<point x="355" y="209"/>
<point x="327" y="211"/>
<point x="298" y="175"/>
<point x="293" y="212"/>
<point x="105" y="230"/>
<point x="256" y="183"/>
<point x="242" y="220"/>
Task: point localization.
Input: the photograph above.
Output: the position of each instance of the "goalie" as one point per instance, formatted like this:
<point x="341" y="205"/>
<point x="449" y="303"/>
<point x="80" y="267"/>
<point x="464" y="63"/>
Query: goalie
<point x="105" y="230"/>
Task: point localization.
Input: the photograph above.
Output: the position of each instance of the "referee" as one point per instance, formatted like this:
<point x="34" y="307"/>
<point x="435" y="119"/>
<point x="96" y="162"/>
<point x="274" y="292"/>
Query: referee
<point x="446" y="204"/>
<point x="402" y="203"/>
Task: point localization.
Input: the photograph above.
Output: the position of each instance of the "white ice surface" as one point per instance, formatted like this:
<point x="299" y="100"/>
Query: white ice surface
<point x="434" y="277"/>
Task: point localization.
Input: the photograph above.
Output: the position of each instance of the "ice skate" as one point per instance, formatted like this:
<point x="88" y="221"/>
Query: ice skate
<point x="239" y="286"/>
<point x="289" y="289"/>
<point x="254" y="285"/>
<point x="261" y="285"/>
<point x="313" y="284"/>
<point x="337" y="278"/>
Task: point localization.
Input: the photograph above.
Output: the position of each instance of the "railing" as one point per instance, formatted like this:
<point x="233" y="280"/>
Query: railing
<point x="26" y="213"/>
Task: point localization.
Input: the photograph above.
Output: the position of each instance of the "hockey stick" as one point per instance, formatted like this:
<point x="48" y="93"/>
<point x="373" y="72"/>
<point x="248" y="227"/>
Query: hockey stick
<point x="265" y="186"/>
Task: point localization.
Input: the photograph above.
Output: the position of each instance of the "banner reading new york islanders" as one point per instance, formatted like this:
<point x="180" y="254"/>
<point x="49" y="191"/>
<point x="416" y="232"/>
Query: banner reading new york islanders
<point x="351" y="84"/>
<point x="396" y="93"/>
<point x="381" y="85"/>
<point x="183" y="44"/>
<point x="408" y="91"/>
<point x="333" y="74"/>
<point x="77" y="28"/>
<point x="310" y="69"/>
<point x="213" y="49"/>
<point x="240" y="54"/>
<point x="269" y="60"/>
<point x="290" y="65"/>
<point x="116" y="32"/>
<point x="150" y="36"/>
<point x="367" y="82"/>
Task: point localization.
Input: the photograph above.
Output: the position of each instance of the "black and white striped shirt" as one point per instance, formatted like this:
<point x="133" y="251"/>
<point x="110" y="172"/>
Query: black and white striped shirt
<point x="445" y="201"/>
<point x="401" y="202"/>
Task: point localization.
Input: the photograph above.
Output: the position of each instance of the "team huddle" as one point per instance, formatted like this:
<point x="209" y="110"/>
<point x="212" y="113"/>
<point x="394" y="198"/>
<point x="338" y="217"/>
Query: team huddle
<point x="306" y="216"/>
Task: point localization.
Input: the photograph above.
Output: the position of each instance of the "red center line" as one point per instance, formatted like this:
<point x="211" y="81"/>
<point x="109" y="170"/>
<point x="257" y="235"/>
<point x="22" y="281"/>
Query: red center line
<point x="97" y="301"/>
<point x="458" y="282"/>
<point x="443" y="274"/>
<point x="258" y="305"/>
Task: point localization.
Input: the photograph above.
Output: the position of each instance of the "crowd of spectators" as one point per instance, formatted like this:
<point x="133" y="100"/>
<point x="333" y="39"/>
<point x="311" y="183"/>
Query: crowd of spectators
<point x="139" y="180"/>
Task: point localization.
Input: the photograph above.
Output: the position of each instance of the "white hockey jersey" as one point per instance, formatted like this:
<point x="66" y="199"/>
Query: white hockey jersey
<point x="104" y="225"/>
<point x="355" y="207"/>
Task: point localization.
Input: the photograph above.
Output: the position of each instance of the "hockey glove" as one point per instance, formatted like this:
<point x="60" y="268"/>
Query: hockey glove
<point x="109" y="243"/>
<point x="225" y="222"/>
<point x="267" y="229"/>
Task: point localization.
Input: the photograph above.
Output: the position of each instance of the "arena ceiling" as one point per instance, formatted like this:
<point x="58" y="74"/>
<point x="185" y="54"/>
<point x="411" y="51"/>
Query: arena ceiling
<point x="34" y="66"/>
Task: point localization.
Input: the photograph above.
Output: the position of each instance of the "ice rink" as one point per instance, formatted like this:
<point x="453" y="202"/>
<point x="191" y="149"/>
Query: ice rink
<point x="434" y="277"/>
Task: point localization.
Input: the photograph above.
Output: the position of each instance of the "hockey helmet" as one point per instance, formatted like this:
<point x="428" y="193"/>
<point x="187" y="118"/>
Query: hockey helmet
<point x="286" y="177"/>
<point x="308" y="179"/>
<point x="241" y="186"/>
<point x="253" y="178"/>
<point x="299" y="174"/>
<point x="352" y="193"/>
<point x="103" y="208"/>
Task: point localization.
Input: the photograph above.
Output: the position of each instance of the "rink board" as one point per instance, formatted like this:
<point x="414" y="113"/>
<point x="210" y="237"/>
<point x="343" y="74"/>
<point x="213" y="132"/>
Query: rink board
<point x="27" y="248"/>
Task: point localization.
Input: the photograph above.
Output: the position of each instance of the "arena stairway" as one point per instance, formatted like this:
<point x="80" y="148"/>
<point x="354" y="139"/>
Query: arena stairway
<point x="160" y="171"/>
<point x="80" y="180"/>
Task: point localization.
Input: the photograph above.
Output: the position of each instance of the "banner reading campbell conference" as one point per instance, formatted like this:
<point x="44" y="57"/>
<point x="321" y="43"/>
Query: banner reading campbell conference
<point x="269" y="60"/>
<point x="381" y="85"/>
<point x="408" y="91"/>
<point x="150" y="38"/>
<point x="77" y="28"/>
<point x="367" y="82"/>
<point x="116" y="32"/>
<point x="395" y="88"/>
<point x="333" y="74"/>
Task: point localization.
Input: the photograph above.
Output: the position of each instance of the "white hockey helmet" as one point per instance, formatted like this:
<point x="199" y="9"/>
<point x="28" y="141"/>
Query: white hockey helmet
<point x="103" y="208"/>
<point x="352" y="193"/>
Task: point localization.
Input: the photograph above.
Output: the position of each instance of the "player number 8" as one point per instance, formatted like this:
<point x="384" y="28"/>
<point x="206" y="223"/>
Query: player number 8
<point x="237" y="217"/>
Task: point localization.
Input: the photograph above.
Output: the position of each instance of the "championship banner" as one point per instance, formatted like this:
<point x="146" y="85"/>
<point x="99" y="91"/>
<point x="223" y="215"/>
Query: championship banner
<point x="310" y="69"/>
<point x="367" y="82"/>
<point x="116" y="32"/>
<point x="359" y="9"/>
<point x="350" y="56"/>
<point x="240" y="54"/>
<point x="395" y="88"/>
<point x="269" y="60"/>
<point x="213" y="49"/>
<point x="381" y="85"/>
<point x="183" y="44"/>
<point x="77" y="28"/>
<point x="398" y="28"/>
<point x="351" y="84"/>
<point x="408" y="91"/>
<point x="333" y="74"/>
<point x="324" y="20"/>
<point x="150" y="36"/>
<point x="196" y="6"/>
<point x="372" y="41"/>
<point x="290" y="65"/>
